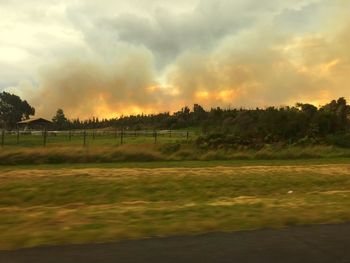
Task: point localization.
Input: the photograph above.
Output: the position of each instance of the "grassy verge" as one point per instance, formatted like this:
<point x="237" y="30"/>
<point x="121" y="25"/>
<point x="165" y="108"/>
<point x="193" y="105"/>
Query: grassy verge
<point x="159" y="153"/>
<point x="61" y="206"/>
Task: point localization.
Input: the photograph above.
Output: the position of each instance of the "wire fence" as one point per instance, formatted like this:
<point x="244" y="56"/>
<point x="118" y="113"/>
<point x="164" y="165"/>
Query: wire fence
<point x="91" y="137"/>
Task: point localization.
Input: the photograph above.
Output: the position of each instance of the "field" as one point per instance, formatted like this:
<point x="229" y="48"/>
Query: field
<point x="92" y="138"/>
<point x="63" y="204"/>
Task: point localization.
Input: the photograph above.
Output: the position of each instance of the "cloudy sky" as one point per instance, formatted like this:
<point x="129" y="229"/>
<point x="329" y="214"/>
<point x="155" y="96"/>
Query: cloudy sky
<point x="111" y="57"/>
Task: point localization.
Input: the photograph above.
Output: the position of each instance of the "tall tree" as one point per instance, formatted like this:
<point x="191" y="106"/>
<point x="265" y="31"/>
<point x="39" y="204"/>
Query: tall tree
<point x="13" y="110"/>
<point x="60" y="119"/>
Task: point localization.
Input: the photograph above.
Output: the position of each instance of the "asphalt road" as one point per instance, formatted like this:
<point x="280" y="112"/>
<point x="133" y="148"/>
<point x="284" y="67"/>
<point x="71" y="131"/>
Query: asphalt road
<point x="322" y="243"/>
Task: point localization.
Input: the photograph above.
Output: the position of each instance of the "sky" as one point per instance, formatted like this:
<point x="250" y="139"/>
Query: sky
<point x="109" y="58"/>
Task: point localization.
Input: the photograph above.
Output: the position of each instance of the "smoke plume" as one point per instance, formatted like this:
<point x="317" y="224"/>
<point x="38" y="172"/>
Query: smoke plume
<point x="265" y="55"/>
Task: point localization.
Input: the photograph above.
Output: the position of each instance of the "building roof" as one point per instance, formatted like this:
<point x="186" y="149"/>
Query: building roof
<point x="35" y="121"/>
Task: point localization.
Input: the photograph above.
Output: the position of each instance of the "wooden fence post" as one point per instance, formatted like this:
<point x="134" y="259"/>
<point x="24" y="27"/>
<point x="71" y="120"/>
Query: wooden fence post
<point x="187" y="135"/>
<point x="155" y="136"/>
<point x="121" y="136"/>
<point x="17" y="136"/>
<point x="84" y="138"/>
<point x="93" y="134"/>
<point x="170" y="133"/>
<point x="44" y="139"/>
<point x="2" y="138"/>
<point x="70" y="135"/>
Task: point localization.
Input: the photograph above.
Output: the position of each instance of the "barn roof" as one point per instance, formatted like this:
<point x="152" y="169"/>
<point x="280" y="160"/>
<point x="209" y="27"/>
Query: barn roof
<point x="35" y="121"/>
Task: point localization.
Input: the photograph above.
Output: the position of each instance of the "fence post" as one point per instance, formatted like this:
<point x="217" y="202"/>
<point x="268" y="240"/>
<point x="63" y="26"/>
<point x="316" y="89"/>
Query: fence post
<point x="44" y="134"/>
<point x="121" y="136"/>
<point x="115" y="133"/>
<point x="155" y="136"/>
<point x="2" y="138"/>
<point x="70" y="135"/>
<point x="170" y="133"/>
<point x="17" y="136"/>
<point x="187" y="135"/>
<point x="93" y="134"/>
<point x="84" y="138"/>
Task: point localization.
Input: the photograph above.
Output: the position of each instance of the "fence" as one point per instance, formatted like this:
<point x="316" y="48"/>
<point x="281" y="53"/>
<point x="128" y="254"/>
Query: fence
<point x="93" y="137"/>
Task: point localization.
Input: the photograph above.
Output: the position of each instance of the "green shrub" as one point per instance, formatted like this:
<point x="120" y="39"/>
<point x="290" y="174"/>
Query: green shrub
<point x="340" y="140"/>
<point x="170" y="148"/>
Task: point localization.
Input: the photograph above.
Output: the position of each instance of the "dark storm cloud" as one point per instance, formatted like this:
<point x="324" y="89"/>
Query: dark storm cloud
<point x="167" y="34"/>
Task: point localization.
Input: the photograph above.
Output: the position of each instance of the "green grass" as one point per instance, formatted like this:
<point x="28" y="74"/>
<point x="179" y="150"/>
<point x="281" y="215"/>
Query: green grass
<point x="162" y="152"/>
<point x="77" y="139"/>
<point x="62" y="205"/>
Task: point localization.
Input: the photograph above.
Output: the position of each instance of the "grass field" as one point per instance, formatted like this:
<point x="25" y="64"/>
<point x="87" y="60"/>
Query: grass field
<point x="94" y="138"/>
<point x="60" y="204"/>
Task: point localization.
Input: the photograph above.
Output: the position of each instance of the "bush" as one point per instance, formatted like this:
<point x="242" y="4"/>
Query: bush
<point x="170" y="148"/>
<point x="80" y="155"/>
<point x="340" y="140"/>
<point x="215" y="155"/>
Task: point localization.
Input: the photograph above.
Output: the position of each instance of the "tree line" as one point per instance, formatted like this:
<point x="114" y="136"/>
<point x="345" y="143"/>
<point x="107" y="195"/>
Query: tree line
<point x="220" y="125"/>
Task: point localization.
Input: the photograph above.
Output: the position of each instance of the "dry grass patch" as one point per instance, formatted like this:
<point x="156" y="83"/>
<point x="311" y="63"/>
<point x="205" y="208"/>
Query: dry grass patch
<point x="63" y="206"/>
